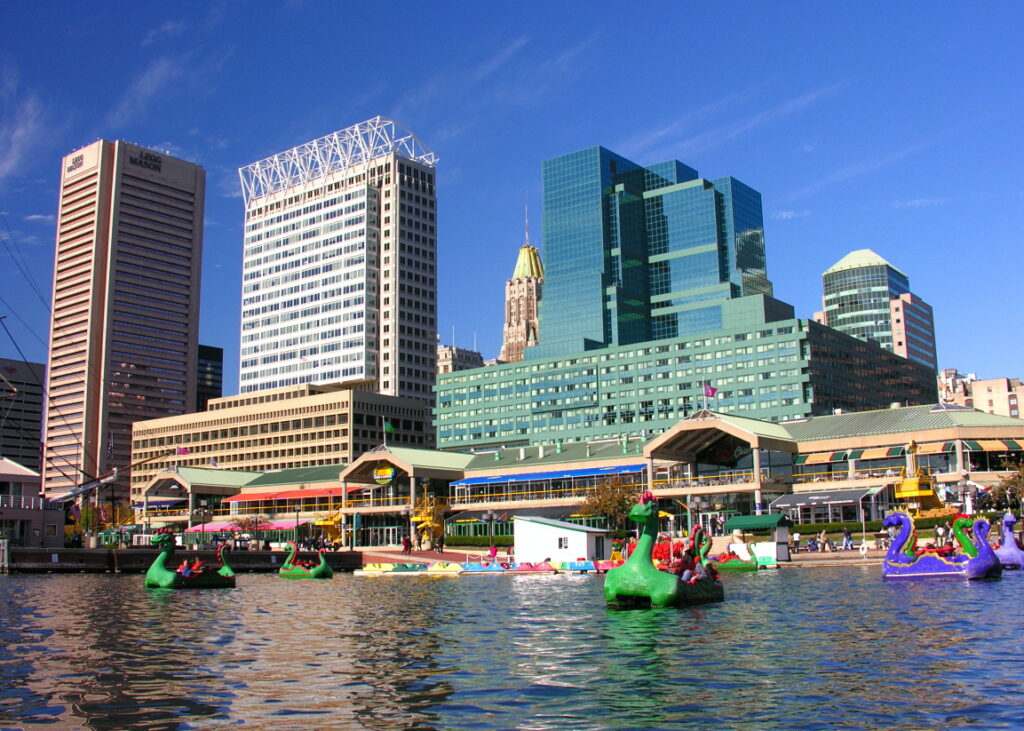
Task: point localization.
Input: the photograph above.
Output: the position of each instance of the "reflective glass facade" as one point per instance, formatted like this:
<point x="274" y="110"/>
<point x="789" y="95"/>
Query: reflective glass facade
<point x="637" y="253"/>
<point x="857" y="300"/>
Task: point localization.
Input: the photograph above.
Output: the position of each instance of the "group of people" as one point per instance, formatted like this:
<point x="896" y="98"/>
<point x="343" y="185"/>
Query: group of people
<point x="821" y="542"/>
<point x="690" y="569"/>
<point x="191" y="569"/>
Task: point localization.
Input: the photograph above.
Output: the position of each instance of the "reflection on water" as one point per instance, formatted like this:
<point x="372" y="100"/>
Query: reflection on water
<point x="810" y="648"/>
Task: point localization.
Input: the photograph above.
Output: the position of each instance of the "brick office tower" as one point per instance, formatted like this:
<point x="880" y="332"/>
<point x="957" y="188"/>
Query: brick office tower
<point x="125" y="306"/>
<point x="522" y="297"/>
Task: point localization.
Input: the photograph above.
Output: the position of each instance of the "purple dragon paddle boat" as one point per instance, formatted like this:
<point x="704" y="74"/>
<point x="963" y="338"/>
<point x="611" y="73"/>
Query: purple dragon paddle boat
<point x="905" y="561"/>
<point x="1009" y="553"/>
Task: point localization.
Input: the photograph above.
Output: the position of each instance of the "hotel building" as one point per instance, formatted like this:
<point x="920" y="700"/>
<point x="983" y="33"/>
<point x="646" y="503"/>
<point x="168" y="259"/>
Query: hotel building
<point x="867" y="297"/>
<point x="278" y="429"/>
<point x="125" y="305"/>
<point x="339" y="268"/>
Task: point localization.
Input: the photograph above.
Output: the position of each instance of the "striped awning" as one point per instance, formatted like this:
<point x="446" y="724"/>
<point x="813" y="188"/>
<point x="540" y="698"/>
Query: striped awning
<point x="934" y="448"/>
<point x="819" y="458"/>
<point x="994" y="445"/>
<point x="881" y="452"/>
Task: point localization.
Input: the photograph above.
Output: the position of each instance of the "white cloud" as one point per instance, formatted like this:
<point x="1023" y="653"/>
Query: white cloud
<point x="39" y="217"/>
<point x="151" y="82"/>
<point x="167" y="29"/>
<point x="863" y="168"/>
<point x="789" y="215"/>
<point x="22" y="125"/>
<point x="921" y="203"/>
<point x="500" y="58"/>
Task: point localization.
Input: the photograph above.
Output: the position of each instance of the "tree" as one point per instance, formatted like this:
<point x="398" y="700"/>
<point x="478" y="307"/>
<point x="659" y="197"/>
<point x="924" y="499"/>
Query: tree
<point x="252" y="523"/>
<point x="1009" y="491"/>
<point x="613" y="498"/>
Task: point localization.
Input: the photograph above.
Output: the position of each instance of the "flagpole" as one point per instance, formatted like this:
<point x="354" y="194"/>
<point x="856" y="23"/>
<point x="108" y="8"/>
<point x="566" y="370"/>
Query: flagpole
<point x="704" y="387"/>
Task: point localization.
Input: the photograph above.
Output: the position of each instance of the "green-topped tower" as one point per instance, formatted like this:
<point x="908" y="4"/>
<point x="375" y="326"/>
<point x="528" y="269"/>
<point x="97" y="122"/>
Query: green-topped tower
<point x="522" y="298"/>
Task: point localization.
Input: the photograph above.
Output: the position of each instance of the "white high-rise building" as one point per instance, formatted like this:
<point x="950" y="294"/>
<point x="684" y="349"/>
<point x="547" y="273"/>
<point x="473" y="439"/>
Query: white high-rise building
<point x="339" y="270"/>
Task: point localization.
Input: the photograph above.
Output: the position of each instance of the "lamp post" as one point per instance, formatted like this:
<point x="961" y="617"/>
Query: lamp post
<point x="489" y="516"/>
<point x="406" y="524"/>
<point x="202" y="517"/>
<point x="296" y="525"/>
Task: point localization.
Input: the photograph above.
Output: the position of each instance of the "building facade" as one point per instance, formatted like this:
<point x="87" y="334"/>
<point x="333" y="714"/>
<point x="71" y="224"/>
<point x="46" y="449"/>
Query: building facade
<point x="276" y="429"/>
<point x="125" y="305"/>
<point x="1003" y="396"/>
<point x="21" y="411"/>
<point x="451" y="358"/>
<point x="634" y="253"/>
<point x="867" y="297"/>
<point x="209" y="375"/>
<point x="339" y="268"/>
<point x="764" y="364"/>
<point x="522" y="302"/>
<point x="657" y="304"/>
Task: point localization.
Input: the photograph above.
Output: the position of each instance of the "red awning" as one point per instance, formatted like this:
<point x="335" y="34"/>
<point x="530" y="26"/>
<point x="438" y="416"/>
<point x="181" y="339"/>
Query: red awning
<point x="245" y="497"/>
<point x="310" y="493"/>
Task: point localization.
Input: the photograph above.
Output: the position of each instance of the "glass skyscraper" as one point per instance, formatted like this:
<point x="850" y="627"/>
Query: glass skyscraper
<point x="637" y="253"/>
<point x="867" y="297"/>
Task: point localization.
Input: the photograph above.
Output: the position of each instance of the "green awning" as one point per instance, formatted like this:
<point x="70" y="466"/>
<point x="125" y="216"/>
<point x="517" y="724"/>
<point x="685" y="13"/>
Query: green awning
<point x="838" y="456"/>
<point x="949" y="447"/>
<point x="756" y="522"/>
<point x="895" y="452"/>
<point x="1011" y="444"/>
<point x="800" y="459"/>
<point x="973" y="445"/>
<point x="855" y="453"/>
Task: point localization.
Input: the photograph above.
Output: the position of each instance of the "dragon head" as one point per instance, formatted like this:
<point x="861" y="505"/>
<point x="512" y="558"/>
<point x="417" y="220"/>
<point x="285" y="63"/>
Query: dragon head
<point x="644" y="509"/>
<point x="163" y="538"/>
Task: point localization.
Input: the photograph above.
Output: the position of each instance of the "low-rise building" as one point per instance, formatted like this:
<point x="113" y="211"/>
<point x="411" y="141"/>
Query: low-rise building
<point x="26" y="518"/>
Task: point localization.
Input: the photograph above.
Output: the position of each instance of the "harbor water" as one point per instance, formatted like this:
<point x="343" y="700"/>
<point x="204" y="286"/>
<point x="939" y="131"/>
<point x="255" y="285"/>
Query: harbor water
<point x="815" y="648"/>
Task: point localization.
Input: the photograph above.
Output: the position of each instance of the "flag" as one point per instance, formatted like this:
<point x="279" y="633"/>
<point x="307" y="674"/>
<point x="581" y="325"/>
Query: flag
<point x="709" y="390"/>
<point x="11" y="370"/>
<point x="213" y="461"/>
<point x="388" y="427"/>
<point x="181" y="450"/>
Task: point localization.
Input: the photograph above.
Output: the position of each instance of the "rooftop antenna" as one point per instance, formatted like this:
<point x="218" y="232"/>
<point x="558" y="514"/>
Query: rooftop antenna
<point x="526" y="205"/>
<point x="453" y="336"/>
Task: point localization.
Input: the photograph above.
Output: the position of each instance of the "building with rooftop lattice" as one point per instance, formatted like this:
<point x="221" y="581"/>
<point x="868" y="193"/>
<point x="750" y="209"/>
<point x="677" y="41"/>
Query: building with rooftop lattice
<point x="522" y="300"/>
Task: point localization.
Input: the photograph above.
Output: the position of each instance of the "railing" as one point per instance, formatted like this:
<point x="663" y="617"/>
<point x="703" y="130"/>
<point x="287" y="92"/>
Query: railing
<point x="873" y="473"/>
<point x="27" y="503"/>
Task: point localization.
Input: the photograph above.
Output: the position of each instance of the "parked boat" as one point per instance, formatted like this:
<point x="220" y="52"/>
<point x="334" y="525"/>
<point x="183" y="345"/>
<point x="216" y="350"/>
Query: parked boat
<point x="905" y="560"/>
<point x="1009" y="553"/>
<point x="190" y="575"/>
<point x="295" y="570"/>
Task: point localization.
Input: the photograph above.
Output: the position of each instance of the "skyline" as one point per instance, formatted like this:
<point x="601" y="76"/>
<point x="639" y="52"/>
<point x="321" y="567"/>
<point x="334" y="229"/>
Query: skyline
<point x="893" y="131"/>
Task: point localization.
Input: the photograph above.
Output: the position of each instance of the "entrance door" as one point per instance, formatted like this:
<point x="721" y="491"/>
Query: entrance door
<point x="598" y="549"/>
<point x="389" y="536"/>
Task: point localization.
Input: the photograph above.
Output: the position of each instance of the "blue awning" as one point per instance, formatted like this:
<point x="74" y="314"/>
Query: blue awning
<point x="564" y="474"/>
<point x="160" y="502"/>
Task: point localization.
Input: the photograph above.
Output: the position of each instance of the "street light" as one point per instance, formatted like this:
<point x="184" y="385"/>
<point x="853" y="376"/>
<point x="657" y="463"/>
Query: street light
<point x="202" y="517"/>
<point x="489" y="517"/>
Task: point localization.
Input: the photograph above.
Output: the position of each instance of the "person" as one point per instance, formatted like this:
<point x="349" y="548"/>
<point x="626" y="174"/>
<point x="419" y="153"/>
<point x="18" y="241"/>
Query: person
<point x="492" y="554"/>
<point x="198" y="566"/>
<point x="847" y="539"/>
<point x="419" y="541"/>
<point x="796" y="543"/>
<point x="684" y="566"/>
<point x="184" y="570"/>
<point x="266" y="545"/>
<point x="940" y="535"/>
<point x="406" y="545"/>
<point x="823" y="541"/>
<point x="440" y="543"/>
<point x="949" y="534"/>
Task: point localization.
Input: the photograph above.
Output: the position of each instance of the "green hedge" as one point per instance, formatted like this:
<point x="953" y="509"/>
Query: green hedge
<point x="872" y="526"/>
<point x="476" y="541"/>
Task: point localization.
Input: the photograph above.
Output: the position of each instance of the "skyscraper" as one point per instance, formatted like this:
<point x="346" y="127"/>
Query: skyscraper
<point x="125" y="305"/>
<point x="339" y="279"/>
<point x="21" y="411"/>
<point x="635" y="253"/>
<point x="867" y="297"/>
<point x="209" y="375"/>
<point x="522" y="301"/>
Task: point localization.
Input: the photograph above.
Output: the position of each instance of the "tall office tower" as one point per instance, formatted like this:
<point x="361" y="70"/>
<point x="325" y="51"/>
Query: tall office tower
<point x="522" y="300"/>
<point x="867" y="297"/>
<point x="21" y="411"/>
<point x="636" y="253"/>
<point x="339" y="279"/>
<point x="209" y="375"/>
<point x="125" y="305"/>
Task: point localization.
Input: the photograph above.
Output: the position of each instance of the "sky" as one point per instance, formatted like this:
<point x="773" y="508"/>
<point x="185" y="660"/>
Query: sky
<point x="890" y="126"/>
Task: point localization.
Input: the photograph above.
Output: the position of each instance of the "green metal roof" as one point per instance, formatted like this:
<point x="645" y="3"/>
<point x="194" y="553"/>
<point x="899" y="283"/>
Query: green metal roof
<point x="432" y="458"/>
<point x="530" y="457"/>
<point x="893" y="421"/>
<point x="858" y="259"/>
<point x="756" y="522"/>
<point x="768" y="429"/>
<point x="300" y="475"/>
<point x="220" y="478"/>
<point x="528" y="264"/>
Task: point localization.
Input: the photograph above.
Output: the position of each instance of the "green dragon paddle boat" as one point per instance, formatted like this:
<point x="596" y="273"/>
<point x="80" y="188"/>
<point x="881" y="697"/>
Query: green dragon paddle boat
<point x="188" y="576"/>
<point x="639" y="584"/>
<point x="293" y="570"/>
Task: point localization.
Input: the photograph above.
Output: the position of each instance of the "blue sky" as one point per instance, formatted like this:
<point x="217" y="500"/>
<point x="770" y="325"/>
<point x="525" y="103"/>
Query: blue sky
<point x="890" y="126"/>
